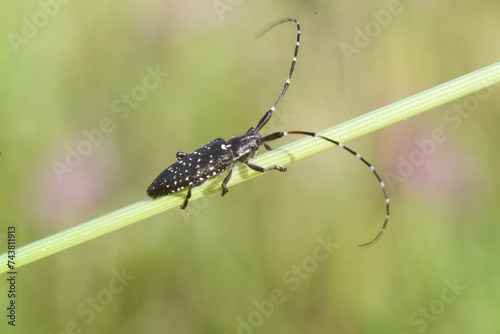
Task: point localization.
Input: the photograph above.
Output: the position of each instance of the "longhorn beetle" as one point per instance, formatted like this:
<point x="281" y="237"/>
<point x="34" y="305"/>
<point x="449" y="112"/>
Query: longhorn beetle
<point x="220" y="156"/>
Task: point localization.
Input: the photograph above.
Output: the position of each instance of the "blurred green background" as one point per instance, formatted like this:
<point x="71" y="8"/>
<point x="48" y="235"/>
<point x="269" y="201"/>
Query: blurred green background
<point x="250" y="262"/>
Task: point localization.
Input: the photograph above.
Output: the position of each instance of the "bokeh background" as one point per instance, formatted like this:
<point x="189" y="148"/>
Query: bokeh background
<point x="251" y="262"/>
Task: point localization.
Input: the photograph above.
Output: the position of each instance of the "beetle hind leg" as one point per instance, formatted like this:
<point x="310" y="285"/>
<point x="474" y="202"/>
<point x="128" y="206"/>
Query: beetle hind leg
<point x="188" y="196"/>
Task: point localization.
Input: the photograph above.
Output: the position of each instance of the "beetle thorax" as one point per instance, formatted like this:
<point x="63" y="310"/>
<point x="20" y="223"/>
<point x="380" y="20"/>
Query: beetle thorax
<point x="244" y="147"/>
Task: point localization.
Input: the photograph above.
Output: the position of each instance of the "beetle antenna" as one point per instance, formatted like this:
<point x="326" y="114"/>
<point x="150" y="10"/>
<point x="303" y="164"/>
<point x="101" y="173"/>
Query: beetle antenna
<point x="278" y="135"/>
<point x="269" y="113"/>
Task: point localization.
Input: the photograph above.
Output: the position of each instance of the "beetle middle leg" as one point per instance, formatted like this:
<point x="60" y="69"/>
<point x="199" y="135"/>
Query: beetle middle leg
<point x="225" y="182"/>
<point x="263" y="170"/>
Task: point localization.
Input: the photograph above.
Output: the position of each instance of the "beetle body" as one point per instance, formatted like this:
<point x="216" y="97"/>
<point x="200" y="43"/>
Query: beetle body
<point x="214" y="159"/>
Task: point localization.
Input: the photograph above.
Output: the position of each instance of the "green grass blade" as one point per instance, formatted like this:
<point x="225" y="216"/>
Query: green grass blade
<point x="285" y="155"/>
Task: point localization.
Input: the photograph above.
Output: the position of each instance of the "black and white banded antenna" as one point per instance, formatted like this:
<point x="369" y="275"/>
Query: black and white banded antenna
<point x="269" y="113"/>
